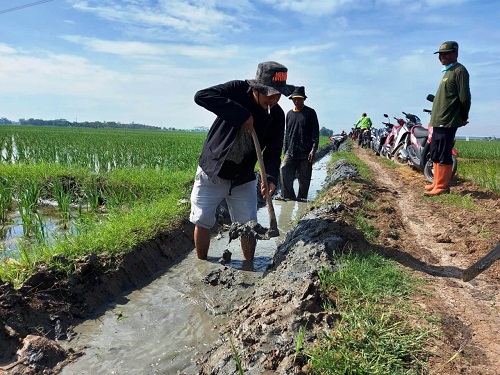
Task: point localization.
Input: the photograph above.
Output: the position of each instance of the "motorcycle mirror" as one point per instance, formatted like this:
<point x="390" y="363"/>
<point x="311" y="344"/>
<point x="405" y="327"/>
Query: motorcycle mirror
<point x="386" y="115"/>
<point x="430" y="97"/>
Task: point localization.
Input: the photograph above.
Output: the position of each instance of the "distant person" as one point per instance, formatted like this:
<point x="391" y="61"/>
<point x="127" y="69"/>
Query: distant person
<point x="227" y="161"/>
<point x="336" y="141"/>
<point x="364" y="123"/>
<point x="301" y="144"/>
<point x="450" y="110"/>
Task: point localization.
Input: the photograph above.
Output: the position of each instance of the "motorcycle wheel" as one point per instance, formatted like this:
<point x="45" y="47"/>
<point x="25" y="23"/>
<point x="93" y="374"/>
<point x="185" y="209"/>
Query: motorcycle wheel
<point x="429" y="169"/>
<point x="397" y="157"/>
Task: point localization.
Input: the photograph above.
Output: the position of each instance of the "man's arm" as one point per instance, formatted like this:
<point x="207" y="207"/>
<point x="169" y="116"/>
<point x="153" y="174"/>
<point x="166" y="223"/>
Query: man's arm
<point x="223" y="99"/>
<point x="464" y="94"/>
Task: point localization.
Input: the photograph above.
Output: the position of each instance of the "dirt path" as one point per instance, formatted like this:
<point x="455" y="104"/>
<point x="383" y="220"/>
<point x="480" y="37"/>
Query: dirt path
<point x="439" y="241"/>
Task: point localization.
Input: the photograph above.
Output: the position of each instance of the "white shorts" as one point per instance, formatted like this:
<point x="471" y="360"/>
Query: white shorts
<point x="207" y="195"/>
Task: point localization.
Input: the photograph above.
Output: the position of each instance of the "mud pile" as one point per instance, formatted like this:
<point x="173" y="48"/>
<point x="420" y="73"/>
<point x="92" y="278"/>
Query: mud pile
<point x="265" y="328"/>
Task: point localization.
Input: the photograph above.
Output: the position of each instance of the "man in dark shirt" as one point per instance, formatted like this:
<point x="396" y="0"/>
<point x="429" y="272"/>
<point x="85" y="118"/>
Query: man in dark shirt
<point x="450" y="110"/>
<point x="301" y="144"/>
<point x="227" y="162"/>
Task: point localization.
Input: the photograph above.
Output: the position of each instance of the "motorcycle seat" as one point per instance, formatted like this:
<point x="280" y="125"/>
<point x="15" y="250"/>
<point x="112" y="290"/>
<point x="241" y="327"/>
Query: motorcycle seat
<point x="420" y="132"/>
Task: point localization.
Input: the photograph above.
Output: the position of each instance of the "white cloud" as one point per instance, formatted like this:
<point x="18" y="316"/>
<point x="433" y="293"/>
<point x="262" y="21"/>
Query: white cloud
<point x="134" y="49"/>
<point x="168" y="18"/>
<point x="4" y="49"/>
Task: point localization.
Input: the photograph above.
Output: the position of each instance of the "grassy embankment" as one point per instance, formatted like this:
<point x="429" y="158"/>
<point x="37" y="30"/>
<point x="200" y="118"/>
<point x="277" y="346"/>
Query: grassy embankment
<point x="378" y="332"/>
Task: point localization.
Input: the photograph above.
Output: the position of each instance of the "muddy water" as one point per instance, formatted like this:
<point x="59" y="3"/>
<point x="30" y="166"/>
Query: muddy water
<point x="164" y="327"/>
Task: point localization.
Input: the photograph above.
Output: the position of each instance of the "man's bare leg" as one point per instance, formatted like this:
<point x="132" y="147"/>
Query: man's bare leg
<point x="248" y="244"/>
<point x="201" y="241"/>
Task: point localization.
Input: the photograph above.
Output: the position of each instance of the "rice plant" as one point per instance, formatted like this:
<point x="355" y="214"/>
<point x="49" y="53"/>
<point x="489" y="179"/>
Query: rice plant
<point x="28" y="196"/>
<point x="63" y="197"/>
<point x="6" y="199"/>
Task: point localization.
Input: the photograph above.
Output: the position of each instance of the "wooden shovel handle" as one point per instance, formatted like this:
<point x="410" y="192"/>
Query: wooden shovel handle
<point x="273" y="225"/>
<point x="482" y="264"/>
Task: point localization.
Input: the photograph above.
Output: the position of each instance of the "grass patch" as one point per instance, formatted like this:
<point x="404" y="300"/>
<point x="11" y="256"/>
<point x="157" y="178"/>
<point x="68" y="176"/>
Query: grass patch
<point x="375" y="334"/>
<point x="464" y="201"/>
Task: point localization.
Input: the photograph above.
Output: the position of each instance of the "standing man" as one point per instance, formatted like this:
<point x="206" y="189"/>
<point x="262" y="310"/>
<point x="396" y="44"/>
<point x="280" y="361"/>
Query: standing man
<point x="450" y="110"/>
<point x="301" y="144"/>
<point x="365" y="123"/>
<point x="227" y="161"/>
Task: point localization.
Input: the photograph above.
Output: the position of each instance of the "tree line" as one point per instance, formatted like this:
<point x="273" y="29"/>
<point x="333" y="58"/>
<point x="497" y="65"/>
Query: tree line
<point x="85" y="124"/>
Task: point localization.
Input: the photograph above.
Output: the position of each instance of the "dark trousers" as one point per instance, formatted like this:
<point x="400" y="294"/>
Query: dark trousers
<point x="442" y="144"/>
<point x="290" y="168"/>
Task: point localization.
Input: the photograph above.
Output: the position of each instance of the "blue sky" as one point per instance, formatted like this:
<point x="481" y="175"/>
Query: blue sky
<point x="142" y="60"/>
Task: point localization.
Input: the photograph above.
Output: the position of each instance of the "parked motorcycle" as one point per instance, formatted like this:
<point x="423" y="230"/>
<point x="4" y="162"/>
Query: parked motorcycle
<point x="417" y="152"/>
<point x="390" y="140"/>
<point x="398" y="152"/>
<point x="380" y="135"/>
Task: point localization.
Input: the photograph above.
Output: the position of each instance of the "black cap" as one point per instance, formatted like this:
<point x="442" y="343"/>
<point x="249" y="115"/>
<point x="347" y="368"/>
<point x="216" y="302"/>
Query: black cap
<point x="270" y="79"/>
<point x="448" y="47"/>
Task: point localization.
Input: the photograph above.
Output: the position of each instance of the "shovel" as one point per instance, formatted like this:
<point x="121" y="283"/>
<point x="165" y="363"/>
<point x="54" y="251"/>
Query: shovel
<point x="482" y="264"/>
<point x="254" y="228"/>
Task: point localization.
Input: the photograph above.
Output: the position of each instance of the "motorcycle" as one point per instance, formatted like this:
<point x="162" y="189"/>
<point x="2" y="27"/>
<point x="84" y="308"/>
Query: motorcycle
<point x="419" y="149"/>
<point x="366" y="137"/>
<point x="380" y="136"/>
<point x="398" y="152"/>
<point x="390" y="141"/>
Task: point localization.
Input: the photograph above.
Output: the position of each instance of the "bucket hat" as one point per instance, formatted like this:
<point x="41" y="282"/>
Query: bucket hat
<point x="448" y="46"/>
<point x="270" y="79"/>
<point x="299" y="92"/>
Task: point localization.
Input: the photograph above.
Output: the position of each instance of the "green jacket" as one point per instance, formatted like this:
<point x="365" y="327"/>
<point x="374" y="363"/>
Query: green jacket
<point x="366" y="123"/>
<point x="451" y="105"/>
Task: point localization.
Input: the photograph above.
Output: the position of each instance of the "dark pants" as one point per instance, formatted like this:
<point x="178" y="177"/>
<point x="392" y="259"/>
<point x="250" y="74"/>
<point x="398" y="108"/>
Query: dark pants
<point x="289" y="169"/>
<point x="442" y="144"/>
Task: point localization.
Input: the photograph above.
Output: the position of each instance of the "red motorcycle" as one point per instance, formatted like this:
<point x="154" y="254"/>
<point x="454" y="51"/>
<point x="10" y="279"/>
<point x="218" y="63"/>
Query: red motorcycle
<point x="417" y="152"/>
<point x="390" y="141"/>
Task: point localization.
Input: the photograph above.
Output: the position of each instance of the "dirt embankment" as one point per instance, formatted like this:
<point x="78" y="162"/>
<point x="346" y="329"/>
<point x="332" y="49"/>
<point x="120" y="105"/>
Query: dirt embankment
<point x="436" y="241"/>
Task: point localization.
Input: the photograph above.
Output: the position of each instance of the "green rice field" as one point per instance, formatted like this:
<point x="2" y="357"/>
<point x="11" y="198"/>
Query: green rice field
<point x="110" y="190"/>
<point x="479" y="161"/>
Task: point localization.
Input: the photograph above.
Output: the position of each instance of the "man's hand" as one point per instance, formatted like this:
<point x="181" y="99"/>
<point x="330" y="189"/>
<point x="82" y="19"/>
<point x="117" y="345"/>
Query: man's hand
<point x="248" y="124"/>
<point x="271" y="186"/>
<point x="310" y="157"/>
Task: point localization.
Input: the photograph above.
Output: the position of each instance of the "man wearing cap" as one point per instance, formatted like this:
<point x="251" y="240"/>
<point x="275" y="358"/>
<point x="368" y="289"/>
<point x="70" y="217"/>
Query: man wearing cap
<point x="450" y="110"/>
<point x="301" y="144"/>
<point x="227" y="161"/>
